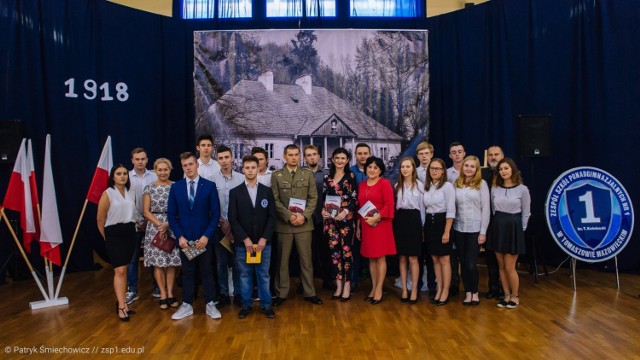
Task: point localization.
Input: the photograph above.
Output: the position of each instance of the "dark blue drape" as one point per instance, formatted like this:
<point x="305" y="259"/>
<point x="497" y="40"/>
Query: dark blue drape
<point x="489" y="63"/>
<point x="575" y="60"/>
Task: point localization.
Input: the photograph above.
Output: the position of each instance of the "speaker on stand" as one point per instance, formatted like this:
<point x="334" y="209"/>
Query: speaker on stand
<point x="534" y="141"/>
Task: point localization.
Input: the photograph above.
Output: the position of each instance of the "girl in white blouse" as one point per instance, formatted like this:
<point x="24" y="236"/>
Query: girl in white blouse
<point x="440" y="209"/>
<point x="407" y="226"/>
<point x="511" y="210"/>
<point x="470" y="226"/>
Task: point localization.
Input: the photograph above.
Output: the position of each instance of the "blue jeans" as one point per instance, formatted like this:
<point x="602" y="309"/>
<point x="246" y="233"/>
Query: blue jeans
<point x="245" y="273"/>
<point x="224" y="259"/>
<point x="203" y="262"/>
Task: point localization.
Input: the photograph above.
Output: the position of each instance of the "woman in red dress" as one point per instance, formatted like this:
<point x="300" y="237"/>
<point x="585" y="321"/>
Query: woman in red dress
<point x="377" y="229"/>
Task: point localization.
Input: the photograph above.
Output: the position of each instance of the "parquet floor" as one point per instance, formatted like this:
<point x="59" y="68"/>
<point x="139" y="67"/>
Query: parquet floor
<point x="553" y="322"/>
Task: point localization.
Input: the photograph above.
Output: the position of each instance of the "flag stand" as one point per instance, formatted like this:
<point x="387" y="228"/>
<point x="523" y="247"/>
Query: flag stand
<point x="47" y="299"/>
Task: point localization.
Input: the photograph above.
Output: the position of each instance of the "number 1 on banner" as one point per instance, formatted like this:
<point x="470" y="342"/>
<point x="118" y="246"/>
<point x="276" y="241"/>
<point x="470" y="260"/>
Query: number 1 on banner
<point x="71" y="83"/>
<point x="587" y="199"/>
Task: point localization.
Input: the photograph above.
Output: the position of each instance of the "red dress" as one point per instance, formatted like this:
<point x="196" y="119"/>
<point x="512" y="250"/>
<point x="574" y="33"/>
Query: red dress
<point x="378" y="241"/>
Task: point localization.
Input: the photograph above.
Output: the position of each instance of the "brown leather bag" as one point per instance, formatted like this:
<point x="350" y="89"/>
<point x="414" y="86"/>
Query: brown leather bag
<point x="164" y="242"/>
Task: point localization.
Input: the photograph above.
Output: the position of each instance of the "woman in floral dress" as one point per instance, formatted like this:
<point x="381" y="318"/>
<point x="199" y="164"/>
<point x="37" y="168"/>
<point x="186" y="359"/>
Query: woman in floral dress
<point x="155" y="197"/>
<point x="339" y="223"/>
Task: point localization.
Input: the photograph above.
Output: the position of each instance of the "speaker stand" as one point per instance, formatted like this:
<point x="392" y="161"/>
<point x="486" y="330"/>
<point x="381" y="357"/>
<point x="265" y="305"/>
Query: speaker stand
<point x="535" y="247"/>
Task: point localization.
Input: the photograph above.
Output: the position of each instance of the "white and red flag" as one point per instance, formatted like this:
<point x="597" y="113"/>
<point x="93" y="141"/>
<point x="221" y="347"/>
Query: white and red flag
<point x="101" y="176"/>
<point x="50" y="232"/>
<point x="18" y="196"/>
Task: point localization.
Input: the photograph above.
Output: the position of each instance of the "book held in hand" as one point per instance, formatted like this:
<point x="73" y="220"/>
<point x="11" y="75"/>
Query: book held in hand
<point x="297" y="206"/>
<point x="254" y="257"/>
<point x="368" y="210"/>
<point x="332" y="205"/>
<point x="191" y="252"/>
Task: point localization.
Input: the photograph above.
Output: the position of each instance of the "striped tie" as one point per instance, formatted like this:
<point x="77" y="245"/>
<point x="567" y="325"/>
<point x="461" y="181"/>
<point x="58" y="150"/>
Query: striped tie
<point x="192" y="190"/>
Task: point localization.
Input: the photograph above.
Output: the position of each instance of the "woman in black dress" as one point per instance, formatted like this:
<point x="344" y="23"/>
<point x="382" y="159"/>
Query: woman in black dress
<point x="407" y="226"/>
<point x="339" y="222"/>
<point x="117" y="226"/>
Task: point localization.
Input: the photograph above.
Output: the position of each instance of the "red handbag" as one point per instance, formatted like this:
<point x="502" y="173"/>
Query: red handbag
<point x="164" y="242"/>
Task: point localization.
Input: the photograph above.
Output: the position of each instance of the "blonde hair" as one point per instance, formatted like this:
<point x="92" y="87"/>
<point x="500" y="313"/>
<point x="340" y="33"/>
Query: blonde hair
<point x="160" y="161"/>
<point x="476" y="182"/>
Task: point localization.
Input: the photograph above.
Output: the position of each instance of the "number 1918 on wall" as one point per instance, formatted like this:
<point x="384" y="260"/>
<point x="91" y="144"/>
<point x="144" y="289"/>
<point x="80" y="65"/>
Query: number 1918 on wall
<point x="91" y="90"/>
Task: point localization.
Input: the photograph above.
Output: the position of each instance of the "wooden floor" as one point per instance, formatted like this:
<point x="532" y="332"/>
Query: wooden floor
<point x="553" y="322"/>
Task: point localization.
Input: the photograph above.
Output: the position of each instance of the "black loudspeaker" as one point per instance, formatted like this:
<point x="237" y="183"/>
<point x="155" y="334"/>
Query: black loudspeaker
<point x="534" y="135"/>
<point x="10" y="139"/>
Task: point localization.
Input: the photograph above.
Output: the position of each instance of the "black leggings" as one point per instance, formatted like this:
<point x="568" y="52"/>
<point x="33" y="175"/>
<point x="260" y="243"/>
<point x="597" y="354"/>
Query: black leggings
<point x="468" y="249"/>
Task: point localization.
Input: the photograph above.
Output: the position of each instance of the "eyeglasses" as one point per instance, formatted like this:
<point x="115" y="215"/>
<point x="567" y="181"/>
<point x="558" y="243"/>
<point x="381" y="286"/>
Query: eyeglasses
<point x="435" y="169"/>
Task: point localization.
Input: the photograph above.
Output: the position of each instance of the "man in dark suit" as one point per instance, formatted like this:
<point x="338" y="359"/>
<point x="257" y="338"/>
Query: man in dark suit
<point x="193" y="213"/>
<point x="252" y="214"/>
<point x="494" y="155"/>
<point x="294" y="227"/>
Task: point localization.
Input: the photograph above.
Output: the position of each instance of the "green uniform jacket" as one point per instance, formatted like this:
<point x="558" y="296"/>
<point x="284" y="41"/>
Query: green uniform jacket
<point x="302" y="186"/>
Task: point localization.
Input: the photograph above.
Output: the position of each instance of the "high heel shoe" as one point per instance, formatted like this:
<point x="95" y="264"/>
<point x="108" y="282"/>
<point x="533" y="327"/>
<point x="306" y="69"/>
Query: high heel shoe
<point x="413" y="302"/>
<point x="124" y="311"/>
<point x="442" y="302"/>
<point x="345" y="299"/>
<point x="368" y="298"/>
<point x="129" y="312"/>
<point x="376" y="302"/>
<point x="404" y="299"/>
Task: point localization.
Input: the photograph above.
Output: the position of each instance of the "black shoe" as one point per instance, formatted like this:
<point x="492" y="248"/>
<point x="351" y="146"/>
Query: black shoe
<point x="123" y="311"/>
<point x="414" y="301"/>
<point x="277" y="301"/>
<point x="244" y="312"/>
<point x="376" y="302"/>
<point x="475" y="302"/>
<point x="345" y="299"/>
<point x="442" y="302"/>
<point x="466" y="303"/>
<point x="335" y="297"/>
<point x="404" y="299"/>
<point x="314" y="300"/>
<point x="491" y="295"/>
<point x="433" y="301"/>
<point x="268" y="312"/>
<point x="223" y="301"/>
<point x="368" y="298"/>
<point x="501" y="296"/>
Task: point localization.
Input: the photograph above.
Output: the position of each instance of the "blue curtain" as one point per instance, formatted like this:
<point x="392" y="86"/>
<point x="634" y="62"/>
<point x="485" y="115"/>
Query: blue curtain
<point x="489" y="63"/>
<point x="575" y="60"/>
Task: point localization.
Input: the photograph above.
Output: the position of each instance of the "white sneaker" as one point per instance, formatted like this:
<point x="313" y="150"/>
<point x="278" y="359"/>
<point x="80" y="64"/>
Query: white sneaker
<point x="213" y="311"/>
<point x="131" y="297"/>
<point x="156" y="293"/>
<point x="183" y="311"/>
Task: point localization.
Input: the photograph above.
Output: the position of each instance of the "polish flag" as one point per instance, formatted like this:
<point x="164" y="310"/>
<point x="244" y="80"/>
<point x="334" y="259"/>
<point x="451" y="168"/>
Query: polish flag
<point x="18" y="196"/>
<point x="50" y="233"/>
<point x="101" y="176"/>
<point x="35" y="200"/>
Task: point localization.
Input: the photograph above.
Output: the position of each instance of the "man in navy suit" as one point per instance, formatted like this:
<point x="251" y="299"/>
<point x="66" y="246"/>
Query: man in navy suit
<point x="252" y="214"/>
<point x="193" y="213"/>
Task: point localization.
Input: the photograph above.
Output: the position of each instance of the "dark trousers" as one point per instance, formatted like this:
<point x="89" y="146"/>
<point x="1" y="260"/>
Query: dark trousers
<point x="357" y="262"/>
<point x="320" y="255"/>
<point x="203" y="263"/>
<point x="468" y="248"/>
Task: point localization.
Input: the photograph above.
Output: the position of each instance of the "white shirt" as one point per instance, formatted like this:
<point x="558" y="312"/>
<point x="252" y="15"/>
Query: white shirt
<point x="224" y="185"/>
<point x="452" y="174"/>
<point x="441" y="200"/>
<point x="513" y="200"/>
<point x="195" y="186"/>
<point x="422" y="173"/>
<point x="253" y="192"/>
<point x="121" y="209"/>
<point x="265" y="179"/>
<point x="207" y="170"/>
<point x="411" y="198"/>
<point x="138" y="184"/>
<point x="473" y="209"/>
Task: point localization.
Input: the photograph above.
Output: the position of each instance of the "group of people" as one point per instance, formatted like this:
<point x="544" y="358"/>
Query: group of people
<point x="433" y="216"/>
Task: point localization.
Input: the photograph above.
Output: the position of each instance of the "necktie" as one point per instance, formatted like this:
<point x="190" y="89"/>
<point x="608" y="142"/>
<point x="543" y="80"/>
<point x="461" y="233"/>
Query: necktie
<point x="293" y="174"/>
<point x="192" y="191"/>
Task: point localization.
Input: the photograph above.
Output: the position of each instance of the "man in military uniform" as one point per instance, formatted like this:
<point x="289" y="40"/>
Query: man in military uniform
<point x="293" y="184"/>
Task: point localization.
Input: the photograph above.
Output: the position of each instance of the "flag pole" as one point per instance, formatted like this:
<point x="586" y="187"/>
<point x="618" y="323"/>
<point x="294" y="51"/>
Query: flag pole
<point x="73" y="241"/>
<point x="24" y="255"/>
<point x="48" y="266"/>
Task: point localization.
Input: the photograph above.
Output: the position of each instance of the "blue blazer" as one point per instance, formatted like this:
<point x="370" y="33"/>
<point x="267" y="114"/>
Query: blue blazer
<point x="202" y="219"/>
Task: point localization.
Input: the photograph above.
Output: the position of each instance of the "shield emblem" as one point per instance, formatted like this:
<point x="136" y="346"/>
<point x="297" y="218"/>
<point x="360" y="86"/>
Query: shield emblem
<point x="589" y="210"/>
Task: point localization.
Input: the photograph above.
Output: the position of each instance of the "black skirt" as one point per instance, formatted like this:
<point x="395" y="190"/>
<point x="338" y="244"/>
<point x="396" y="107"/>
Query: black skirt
<point x="406" y="230"/>
<point x="434" y="225"/>
<point x="120" y="240"/>
<point x="506" y="235"/>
